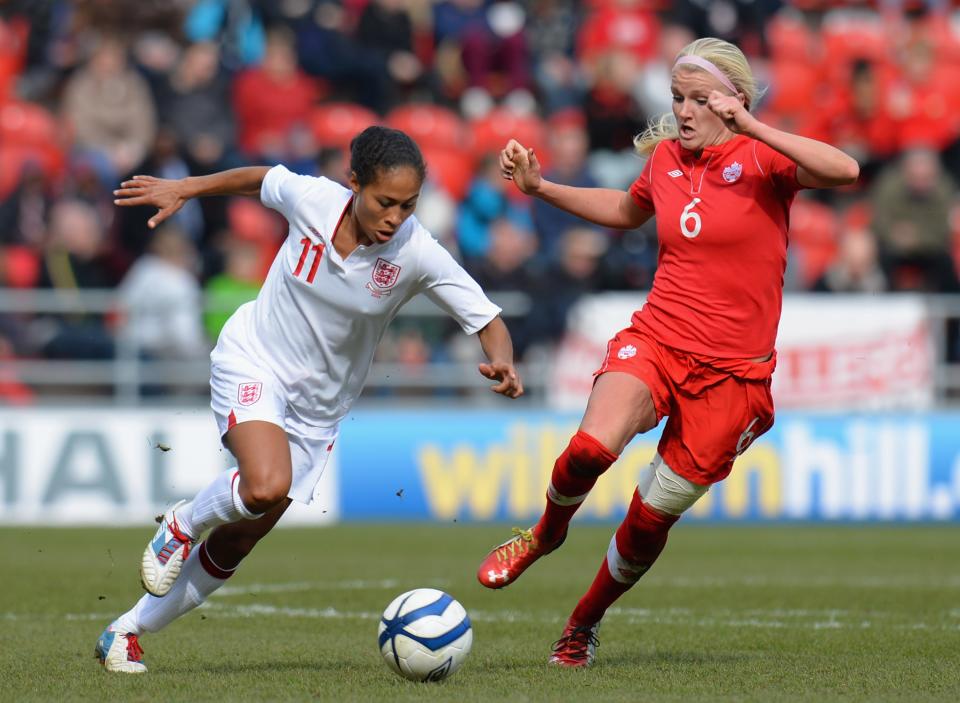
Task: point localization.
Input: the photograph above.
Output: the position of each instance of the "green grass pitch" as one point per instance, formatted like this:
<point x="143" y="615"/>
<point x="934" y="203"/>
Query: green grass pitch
<point x="760" y="613"/>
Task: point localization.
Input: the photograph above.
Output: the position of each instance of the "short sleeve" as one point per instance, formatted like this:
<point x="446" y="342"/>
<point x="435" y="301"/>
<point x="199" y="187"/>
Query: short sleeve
<point x="781" y="170"/>
<point x="448" y="285"/>
<point x="640" y="190"/>
<point x="282" y="189"/>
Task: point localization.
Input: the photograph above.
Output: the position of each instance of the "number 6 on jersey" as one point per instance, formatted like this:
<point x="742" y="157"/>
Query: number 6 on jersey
<point x="688" y="215"/>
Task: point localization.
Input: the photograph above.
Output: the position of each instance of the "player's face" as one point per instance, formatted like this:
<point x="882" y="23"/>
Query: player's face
<point x="385" y="203"/>
<point x="698" y="125"/>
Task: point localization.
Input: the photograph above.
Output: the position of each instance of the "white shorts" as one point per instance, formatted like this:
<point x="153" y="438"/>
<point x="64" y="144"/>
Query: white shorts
<point x="241" y="390"/>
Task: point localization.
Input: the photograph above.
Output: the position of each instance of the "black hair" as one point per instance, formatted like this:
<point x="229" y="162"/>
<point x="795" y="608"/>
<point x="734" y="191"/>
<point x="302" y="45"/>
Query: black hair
<point x="381" y="148"/>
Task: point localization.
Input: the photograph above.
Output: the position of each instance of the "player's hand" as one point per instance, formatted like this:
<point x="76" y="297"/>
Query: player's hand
<point x="509" y="384"/>
<point x="520" y="165"/>
<point x="164" y="194"/>
<point x="731" y="110"/>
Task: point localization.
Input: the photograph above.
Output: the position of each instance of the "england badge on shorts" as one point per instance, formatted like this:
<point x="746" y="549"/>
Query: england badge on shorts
<point x="383" y="278"/>
<point x="249" y="393"/>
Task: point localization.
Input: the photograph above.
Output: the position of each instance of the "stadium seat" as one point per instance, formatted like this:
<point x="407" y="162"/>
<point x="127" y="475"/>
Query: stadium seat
<point x="814" y="230"/>
<point x="429" y="125"/>
<point x="790" y="39"/>
<point x="794" y="87"/>
<point x="28" y="132"/>
<point x="490" y="133"/>
<point x="451" y="169"/>
<point x="335" y="124"/>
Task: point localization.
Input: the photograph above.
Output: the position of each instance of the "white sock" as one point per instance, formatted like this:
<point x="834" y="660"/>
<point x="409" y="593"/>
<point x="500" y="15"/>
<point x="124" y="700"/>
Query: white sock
<point x="191" y="588"/>
<point x="217" y="504"/>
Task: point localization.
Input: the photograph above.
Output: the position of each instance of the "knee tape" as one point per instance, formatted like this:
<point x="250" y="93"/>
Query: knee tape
<point x="663" y="489"/>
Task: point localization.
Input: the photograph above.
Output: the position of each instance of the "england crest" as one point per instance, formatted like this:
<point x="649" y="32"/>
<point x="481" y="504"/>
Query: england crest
<point x="385" y="274"/>
<point x="732" y="172"/>
<point x="249" y="393"/>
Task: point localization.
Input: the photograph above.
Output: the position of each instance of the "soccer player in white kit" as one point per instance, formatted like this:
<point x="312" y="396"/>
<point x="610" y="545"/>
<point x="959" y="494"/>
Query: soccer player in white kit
<point x="289" y="365"/>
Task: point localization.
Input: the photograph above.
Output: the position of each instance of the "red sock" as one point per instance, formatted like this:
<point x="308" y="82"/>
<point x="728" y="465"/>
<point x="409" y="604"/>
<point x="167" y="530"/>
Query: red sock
<point x="636" y="545"/>
<point x="574" y="474"/>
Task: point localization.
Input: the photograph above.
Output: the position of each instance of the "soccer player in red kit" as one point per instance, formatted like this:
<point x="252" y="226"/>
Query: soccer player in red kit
<point x="701" y="350"/>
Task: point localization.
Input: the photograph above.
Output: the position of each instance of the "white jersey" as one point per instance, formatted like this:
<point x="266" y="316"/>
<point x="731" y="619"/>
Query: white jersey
<point x="318" y="318"/>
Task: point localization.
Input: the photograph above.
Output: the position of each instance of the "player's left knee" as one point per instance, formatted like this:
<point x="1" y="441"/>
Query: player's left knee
<point x="665" y="491"/>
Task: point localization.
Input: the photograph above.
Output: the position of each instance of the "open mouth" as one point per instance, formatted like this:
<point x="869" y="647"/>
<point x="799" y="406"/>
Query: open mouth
<point x="687" y="132"/>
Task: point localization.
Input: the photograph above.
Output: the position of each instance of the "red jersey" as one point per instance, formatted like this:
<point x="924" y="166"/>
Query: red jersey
<point x="722" y="223"/>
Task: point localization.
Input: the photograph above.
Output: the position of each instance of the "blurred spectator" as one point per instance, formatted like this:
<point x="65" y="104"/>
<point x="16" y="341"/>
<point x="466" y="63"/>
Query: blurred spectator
<point x="912" y="203"/>
<point x="73" y="260"/>
<point x="485" y="203"/>
<point x="491" y="42"/>
<point x="234" y="24"/>
<point x="166" y="162"/>
<point x="237" y="283"/>
<point x="193" y="101"/>
<point x="857" y="121"/>
<point x="576" y="272"/>
<point x="24" y="213"/>
<point x="386" y="28"/>
<point x="273" y="100"/>
<point x="551" y="35"/>
<point x="737" y="21"/>
<point x="110" y="112"/>
<point x="333" y="163"/>
<point x="327" y="49"/>
<point x="856" y="268"/>
<point x="652" y="88"/>
<point x="924" y="99"/>
<point x="569" y="145"/>
<point x="162" y="299"/>
<point x="614" y="117"/>
<point x="508" y="266"/>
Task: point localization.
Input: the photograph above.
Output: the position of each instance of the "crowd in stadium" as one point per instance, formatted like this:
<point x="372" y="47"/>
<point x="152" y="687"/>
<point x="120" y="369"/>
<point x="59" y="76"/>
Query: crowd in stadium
<point x="94" y="91"/>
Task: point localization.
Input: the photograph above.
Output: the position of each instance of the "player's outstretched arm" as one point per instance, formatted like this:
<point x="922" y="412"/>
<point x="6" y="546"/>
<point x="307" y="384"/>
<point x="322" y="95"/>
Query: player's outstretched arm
<point x="606" y="207"/>
<point x="497" y="345"/>
<point x="820" y="165"/>
<point x="168" y="196"/>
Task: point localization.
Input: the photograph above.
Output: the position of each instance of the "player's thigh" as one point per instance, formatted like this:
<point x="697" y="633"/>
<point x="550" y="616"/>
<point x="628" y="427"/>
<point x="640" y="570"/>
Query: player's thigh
<point x="250" y="410"/>
<point x="620" y="407"/>
<point x="262" y="451"/>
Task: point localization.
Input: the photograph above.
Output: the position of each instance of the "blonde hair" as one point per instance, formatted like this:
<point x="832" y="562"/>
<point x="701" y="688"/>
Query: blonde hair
<point x="729" y="60"/>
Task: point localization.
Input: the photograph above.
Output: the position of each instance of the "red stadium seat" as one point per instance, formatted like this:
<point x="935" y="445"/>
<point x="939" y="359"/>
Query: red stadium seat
<point x="490" y="133"/>
<point x="335" y="124"/>
<point x="794" y="87"/>
<point x="814" y="230"/>
<point x="790" y="39"/>
<point x="429" y="125"/>
<point x="28" y="133"/>
<point x="451" y="169"/>
<point x="846" y="38"/>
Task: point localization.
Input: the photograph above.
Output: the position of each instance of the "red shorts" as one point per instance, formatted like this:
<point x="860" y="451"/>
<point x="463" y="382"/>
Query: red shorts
<point x="716" y="407"/>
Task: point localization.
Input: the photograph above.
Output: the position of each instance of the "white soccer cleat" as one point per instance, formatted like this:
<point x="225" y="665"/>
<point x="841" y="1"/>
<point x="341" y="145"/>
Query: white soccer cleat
<point x="120" y="652"/>
<point x="164" y="556"/>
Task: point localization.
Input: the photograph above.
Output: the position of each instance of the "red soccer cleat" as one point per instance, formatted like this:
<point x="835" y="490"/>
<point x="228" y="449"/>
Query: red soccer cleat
<point x="505" y="563"/>
<point x="577" y="646"/>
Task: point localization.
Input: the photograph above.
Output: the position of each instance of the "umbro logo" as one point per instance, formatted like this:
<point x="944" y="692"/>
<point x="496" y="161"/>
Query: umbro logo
<point x="675" y="173"/>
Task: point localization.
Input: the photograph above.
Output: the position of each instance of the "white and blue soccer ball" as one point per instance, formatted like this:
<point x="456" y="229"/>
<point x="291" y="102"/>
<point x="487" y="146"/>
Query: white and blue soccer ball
<point x="425" y="635"/>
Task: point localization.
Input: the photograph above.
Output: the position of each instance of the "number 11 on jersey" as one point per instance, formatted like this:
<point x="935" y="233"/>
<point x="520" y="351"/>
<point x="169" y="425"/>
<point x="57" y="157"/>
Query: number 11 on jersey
<point x="318" y="252"/>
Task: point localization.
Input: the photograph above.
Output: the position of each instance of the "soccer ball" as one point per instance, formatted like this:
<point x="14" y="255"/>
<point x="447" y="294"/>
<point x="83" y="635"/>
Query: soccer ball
<point x="425" y="635"/>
